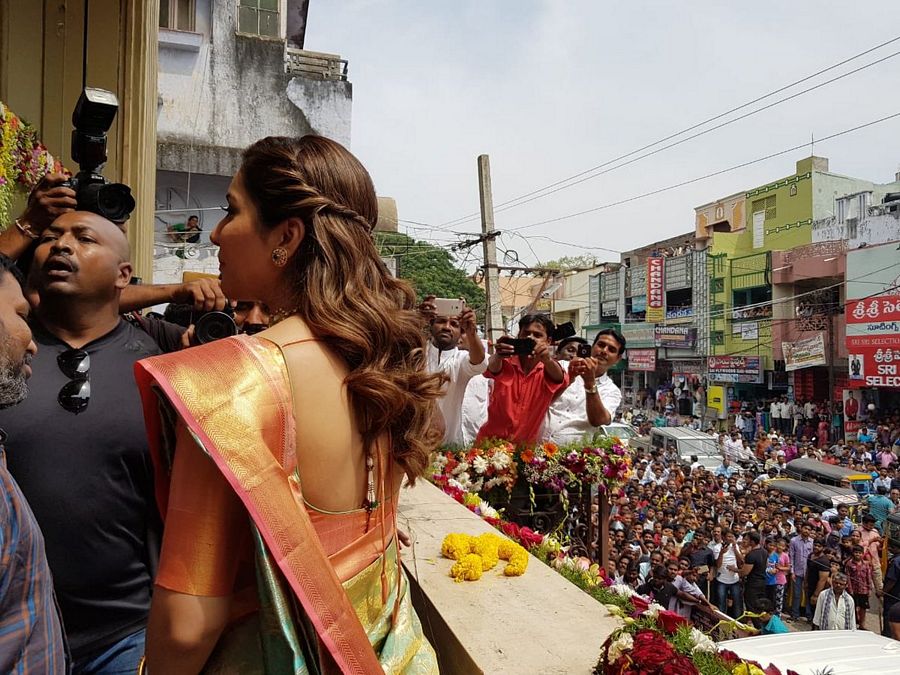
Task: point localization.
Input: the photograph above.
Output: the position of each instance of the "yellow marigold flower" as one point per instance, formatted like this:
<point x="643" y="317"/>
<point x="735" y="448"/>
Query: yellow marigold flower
<point x="747" y="669"/>
<point x="516" y="555"/>
<point x="486" y="545"/>
<point x="467" y="569"/>
<point x="456" y="545"/>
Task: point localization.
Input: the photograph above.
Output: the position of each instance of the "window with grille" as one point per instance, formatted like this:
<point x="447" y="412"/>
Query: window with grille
<point x="767" y="205"/>
<point x="177" y="14"/>
<point x="259" y="17"/>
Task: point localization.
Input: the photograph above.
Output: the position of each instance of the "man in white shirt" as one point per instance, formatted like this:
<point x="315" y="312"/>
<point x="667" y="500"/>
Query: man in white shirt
<point x="734" y="447"/>
<point x="592" y="398"/>
<point x="775" y="415"/>
<point x="786" y="423"/>
<point x="460" y="366"/>
<point x="835" y="609"/>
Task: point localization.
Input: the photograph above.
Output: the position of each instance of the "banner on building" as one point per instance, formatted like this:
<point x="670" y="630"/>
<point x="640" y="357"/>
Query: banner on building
<point x="642" y="359"/>
<point x="675" y="336"/>
<point x="656" y="289"/>
<point x="734" y="369"/>
<point x="873" y="317"/>
<point x="639" y="334"/>
<point x="804" y="353"/>
<point x="749" y="330"/>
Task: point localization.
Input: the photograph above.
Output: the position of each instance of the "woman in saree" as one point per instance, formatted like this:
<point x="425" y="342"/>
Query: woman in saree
<point x="280" y="456"/>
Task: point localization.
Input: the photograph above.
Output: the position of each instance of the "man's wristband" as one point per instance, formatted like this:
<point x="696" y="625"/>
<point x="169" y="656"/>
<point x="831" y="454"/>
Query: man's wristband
<point x="590" y="390"/>
<point x="26" y="230"/>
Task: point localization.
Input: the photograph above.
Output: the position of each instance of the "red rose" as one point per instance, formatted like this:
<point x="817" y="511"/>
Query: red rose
<point x="670" y="621"/>
<point x="640" y="604"/>
<point x="510" y="530"/>
<point x="679" y="665"/>
<point x="651" y="650"/>
<point x="729" y="657"/>
<point x="529" y="538"/>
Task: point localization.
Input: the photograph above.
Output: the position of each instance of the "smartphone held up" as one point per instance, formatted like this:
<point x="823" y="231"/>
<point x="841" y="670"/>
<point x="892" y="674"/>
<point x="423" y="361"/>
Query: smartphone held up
<point x="449" y="306"/>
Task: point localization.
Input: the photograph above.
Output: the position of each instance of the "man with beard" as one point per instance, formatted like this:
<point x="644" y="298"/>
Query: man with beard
<point x="592" y="398"/>
<point x="31" y="639"/>
<point x="459" y="366"/>
<point x="77" y="445"/>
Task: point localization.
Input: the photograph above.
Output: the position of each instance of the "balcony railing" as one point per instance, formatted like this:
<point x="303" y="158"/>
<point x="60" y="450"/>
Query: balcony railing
<point x="314" y="65"/>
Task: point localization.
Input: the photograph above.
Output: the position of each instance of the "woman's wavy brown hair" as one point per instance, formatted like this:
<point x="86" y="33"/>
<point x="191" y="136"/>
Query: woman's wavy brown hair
<point x="344" y="292"/>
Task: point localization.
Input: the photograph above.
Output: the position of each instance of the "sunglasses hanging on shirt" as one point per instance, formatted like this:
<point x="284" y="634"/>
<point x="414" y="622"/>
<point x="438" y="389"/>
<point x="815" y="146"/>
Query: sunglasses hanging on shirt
<point x="75" y="394"/>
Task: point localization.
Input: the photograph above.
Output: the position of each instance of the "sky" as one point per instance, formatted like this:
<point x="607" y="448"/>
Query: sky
<point x="552" y="89"/>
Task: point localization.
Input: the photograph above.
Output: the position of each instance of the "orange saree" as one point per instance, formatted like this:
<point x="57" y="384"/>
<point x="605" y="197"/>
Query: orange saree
<point x="315" y="592"/>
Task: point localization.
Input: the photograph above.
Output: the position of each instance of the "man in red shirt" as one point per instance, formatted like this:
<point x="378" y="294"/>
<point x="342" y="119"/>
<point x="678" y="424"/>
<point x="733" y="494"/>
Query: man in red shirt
<point x="524" y="385"/>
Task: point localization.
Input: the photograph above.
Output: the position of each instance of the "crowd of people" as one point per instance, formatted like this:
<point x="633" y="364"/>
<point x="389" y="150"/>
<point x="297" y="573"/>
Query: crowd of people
<point x="755" y="548"/>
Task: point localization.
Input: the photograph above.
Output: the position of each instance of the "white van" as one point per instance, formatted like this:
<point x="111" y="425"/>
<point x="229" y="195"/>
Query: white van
<point x="687" y="442"/>
<point x="840" y="652"/>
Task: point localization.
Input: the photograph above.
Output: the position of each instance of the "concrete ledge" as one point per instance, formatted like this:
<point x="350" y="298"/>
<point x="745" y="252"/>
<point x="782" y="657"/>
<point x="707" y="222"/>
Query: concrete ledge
<point x="536" y="623"/>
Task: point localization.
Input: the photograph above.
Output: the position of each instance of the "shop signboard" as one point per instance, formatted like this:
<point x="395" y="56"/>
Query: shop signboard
<point x="873" y="317"/>
<point x="749" y="330"/>
<point x="656" y="294"/>
<point x="639" y="335"/>
<point x="804" y="353"/>
<point x="675" y="336"/>
<point x="734" y="369"/>
<point x="674" y="313"/>
<point x="642" y="359"/>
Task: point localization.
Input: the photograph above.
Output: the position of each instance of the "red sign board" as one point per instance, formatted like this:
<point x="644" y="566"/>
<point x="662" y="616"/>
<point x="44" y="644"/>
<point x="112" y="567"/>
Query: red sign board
<point x="642" y="359"/>
<point x="874" y="310"/>
<point x="873" y="341"/>
<point x="656" y="293"/>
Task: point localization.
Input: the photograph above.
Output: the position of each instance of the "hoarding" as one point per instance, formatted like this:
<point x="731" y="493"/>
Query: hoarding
<point x="656" y="289"/>
<point x="642" y="359"/>
<point x="675" y="336"/>
<point x="804" y="353"/>
<point x="735" y="369"/>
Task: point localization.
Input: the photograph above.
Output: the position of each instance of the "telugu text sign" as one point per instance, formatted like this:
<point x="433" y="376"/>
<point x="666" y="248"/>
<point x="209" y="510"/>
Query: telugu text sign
<point x="656" y="290"/>
<point x="642" y="359"/>
<point x="734" y="369"/>
<point x="804" y="353"/>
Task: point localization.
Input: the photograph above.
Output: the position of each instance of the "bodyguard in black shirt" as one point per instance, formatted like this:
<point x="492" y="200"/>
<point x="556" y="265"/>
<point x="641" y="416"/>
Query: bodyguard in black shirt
<point x="77" y="445"/>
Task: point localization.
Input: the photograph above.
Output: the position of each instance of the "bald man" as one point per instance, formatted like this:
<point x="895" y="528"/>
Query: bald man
<point x="77" y="445"/>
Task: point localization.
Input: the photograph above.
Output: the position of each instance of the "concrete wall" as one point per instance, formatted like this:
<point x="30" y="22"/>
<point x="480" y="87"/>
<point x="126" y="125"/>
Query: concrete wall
<point x="219" y="91"/>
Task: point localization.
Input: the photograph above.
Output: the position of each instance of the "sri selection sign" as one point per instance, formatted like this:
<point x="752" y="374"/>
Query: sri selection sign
<point x="642" y="359"/>
<point x="734" y="369"/>
<point x="804" y="353"/>
<point x="656" y="293"/>
<point x="873" y="317"/>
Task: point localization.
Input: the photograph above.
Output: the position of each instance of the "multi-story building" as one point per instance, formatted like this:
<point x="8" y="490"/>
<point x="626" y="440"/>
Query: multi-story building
<point x="229" y="74"/>
<point x="776" y="274"/>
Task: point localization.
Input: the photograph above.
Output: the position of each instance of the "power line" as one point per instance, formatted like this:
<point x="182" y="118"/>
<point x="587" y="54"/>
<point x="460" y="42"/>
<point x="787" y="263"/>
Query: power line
<point x="704" y="177"/>
<point x="699" y="124"/>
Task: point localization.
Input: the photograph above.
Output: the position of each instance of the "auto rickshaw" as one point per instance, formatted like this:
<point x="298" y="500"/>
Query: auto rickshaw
<point x="808" y="469"/>
<point x="817" y="496"/>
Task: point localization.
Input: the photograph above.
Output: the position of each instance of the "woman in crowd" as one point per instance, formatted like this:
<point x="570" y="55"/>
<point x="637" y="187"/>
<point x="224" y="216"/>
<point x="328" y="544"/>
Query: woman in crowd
<point x="308" y="428"/>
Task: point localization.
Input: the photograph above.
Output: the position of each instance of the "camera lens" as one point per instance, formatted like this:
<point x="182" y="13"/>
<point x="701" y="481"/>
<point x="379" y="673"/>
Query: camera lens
<point x="114" y="201"/>
<point x="214" y="326"/>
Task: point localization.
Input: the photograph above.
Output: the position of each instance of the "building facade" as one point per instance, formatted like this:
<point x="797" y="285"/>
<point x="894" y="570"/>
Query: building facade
<point x="230" y="74"/>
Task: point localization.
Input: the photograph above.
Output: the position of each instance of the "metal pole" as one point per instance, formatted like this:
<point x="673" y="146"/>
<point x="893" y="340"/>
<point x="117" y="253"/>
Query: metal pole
<point x="493" y="318"/>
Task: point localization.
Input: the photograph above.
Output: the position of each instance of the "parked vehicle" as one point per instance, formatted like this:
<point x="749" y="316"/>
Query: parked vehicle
<point x="687" y="442"/>
<point x="830" y="474"/>
<point x="814" y="495"/>
<point x="840" y="652"/>
<point x="627" y="434"/>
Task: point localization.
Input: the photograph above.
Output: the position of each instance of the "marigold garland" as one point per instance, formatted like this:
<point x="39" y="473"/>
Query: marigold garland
<point x="475" y="555"/>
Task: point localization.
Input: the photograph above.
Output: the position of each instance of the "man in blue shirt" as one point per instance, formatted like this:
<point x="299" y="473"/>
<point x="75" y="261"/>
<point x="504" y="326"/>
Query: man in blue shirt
<point x="880" y="506"/>
<point x="725" y="469"/>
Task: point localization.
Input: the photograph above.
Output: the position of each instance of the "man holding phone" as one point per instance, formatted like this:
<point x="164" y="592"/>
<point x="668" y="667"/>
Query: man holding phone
<point x="526" y="378"/>
<point x="592" y="398"/>
<point x="451" y="319"/>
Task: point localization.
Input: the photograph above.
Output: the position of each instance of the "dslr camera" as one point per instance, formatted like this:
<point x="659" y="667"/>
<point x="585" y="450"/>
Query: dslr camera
<point x="93" y="115"/>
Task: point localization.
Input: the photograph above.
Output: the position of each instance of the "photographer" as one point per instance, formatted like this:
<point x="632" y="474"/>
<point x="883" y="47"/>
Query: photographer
<point x="77" y="444"/>
<point x="458" y="365"/>
<point x="524" y="383"/>
<point x="592" y="398"/>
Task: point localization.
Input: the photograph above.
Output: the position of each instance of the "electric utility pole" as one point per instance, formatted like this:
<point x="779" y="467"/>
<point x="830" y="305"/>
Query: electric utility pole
<point x="493" y="318"/>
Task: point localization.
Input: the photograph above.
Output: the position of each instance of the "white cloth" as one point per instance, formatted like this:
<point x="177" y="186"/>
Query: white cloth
<point x="566" y="420"/>
<point x="734" y="449"/>
<point x="474" y="407"/>
<point x="785" y="410"/>
<point x="456" y="365"/>
<point x="775" y="410"/>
